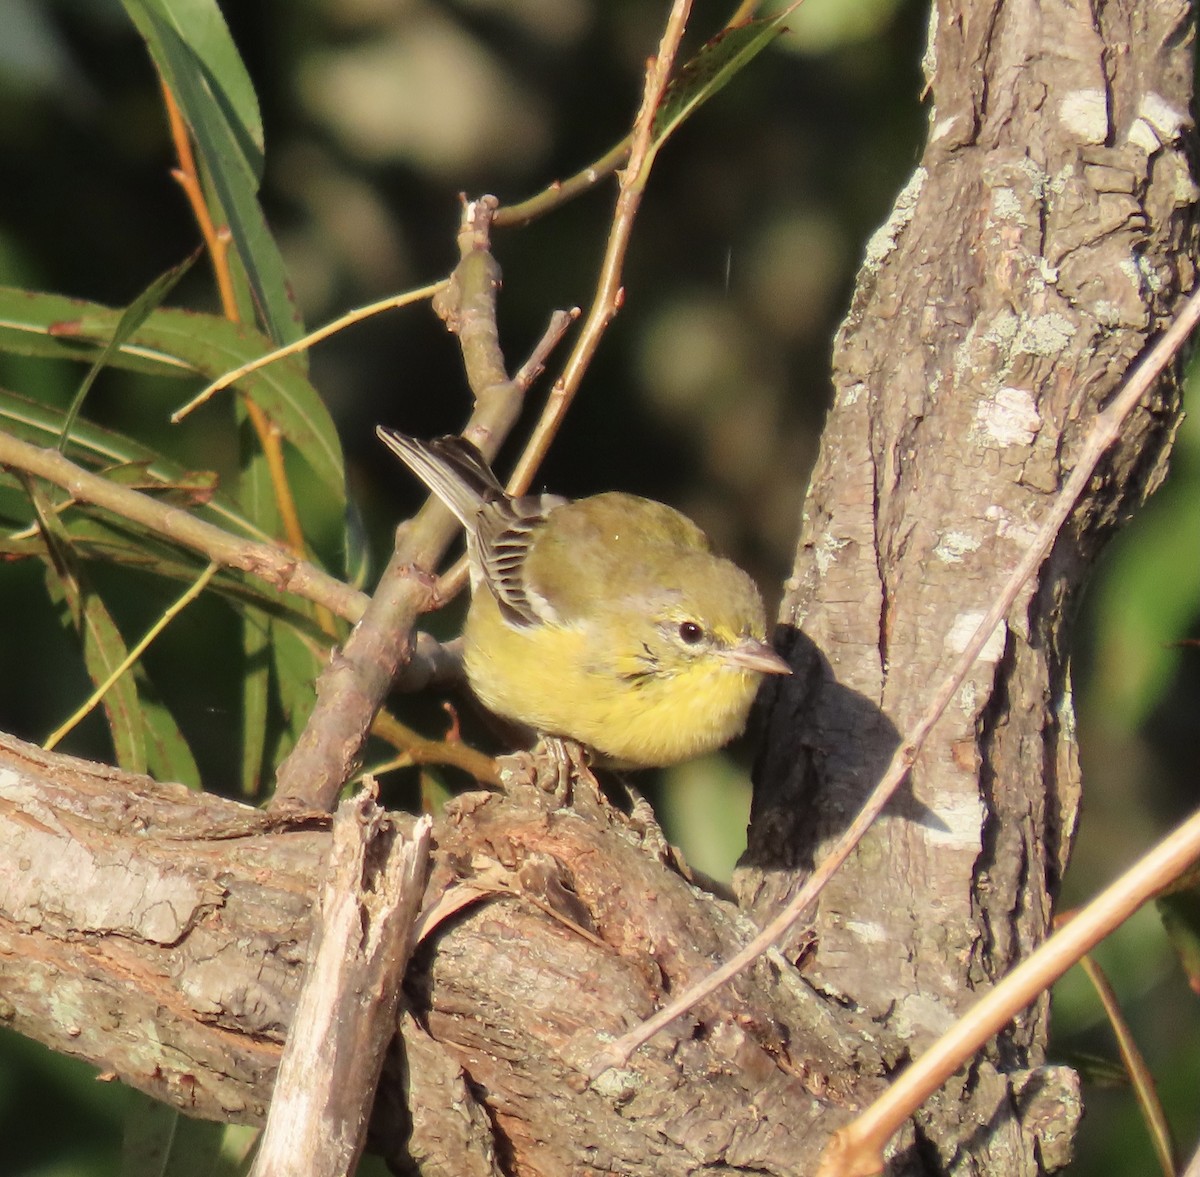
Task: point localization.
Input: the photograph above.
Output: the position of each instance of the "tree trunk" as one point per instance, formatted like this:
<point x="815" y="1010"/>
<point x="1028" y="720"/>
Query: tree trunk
<point x="1045" y="237"/>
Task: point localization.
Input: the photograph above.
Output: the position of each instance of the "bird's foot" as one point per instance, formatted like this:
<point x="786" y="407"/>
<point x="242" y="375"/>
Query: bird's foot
<point x="562" y="767"/>
<point x="554" y="767"/>
<point x="644" y="823"/>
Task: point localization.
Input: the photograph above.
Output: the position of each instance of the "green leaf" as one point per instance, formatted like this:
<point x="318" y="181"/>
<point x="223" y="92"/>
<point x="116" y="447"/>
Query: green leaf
<point x="357" y="556"/>
<point x="162" y="1142"/>
<point x="131" y="318"/>
<point x="287" y="650"/>
<point x="296" y="668"/>
<point x="94" y="539"/>
<point x="1149" y="595"/>
<point x="202" y="27"/>
<point x="38" y="324"/>
<point x="103" y="647"/>
<point x="167" y="753"/>
<point x="717" y="62"/>
<point x="1180" y="914"/>
<point x="256" y="493"/>
<point x="256" y="696"/>
<point x="204" y="344"/>
<point x="95" y="446"/>
<point x="179" y="35"/>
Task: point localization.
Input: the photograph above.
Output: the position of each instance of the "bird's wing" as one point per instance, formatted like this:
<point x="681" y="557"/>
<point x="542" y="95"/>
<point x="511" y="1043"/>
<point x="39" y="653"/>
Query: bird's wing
<point x="502" y="540"/>
<point x="500" y="529"/>
<point x="451" y="467"/>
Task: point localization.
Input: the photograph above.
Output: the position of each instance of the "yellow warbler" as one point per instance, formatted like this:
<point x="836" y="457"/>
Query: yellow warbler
<point x="606" y="620"/>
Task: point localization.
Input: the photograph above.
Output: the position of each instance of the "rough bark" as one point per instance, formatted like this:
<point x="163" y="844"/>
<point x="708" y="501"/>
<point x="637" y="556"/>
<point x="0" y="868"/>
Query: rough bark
<point x="161" y="934"/>
<point x="1045" y="237"/>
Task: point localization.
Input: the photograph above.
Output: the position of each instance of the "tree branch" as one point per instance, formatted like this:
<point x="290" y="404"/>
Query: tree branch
<point x="346" y="1013"/>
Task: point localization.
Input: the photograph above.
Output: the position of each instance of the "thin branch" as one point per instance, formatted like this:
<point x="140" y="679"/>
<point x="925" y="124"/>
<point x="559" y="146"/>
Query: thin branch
<point x="352" y="687"/>
<point x="187" y="176"/>
<point x="857" y="1149"/>
<point x="535" y="362"/>
<point x="172" y="611"/>
<point x="270" y="437"/>
<point x="609" y="293"/>
<point x="348" y="319"/>
<point x="468" y="308"/>
<point x="1134" y="1062"/>
<point x="561" y="191"/>
<point x="451" y="582"/>
<point x="217" y="240"/>
<point x="268" y="562"/>
<point x="417" y="749"/>
<point x="1104" y="432"/>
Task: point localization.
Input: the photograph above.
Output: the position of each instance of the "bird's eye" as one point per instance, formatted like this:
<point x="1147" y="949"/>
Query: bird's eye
<point x="690" y="632"/>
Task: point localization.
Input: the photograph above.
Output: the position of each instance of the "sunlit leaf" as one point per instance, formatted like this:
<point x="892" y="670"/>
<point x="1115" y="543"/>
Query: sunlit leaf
<point x="714" y="66"/>
<point x="209" y="346"/>
<point x="177" y="42"/>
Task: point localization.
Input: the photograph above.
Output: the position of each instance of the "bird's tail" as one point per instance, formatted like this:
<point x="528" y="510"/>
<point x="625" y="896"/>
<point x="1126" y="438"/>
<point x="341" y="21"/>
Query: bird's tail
<point x="451" y="467"/>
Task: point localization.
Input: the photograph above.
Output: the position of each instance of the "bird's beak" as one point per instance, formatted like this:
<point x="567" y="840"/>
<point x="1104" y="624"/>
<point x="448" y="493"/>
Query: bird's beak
<point x="751" y="654"/>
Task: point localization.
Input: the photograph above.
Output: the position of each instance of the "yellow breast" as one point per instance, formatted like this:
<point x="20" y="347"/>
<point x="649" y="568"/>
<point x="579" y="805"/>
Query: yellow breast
<point x="562" y="680"/>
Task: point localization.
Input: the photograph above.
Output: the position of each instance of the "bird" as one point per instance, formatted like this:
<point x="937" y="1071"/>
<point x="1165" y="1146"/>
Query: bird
<point x="605" y="620"/>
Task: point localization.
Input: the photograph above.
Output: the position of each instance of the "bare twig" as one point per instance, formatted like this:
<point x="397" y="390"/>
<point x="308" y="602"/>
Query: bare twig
<point x="535" y="363"/>
<point x="417" y="749"/>
<point x="353" y="685"/>
<point x="1104" y="432"/>
<point x="451" y="582"/>
<point x="187" y="176"/>
<point x="343" y="321"/>
<point x="351" y="688"/>
<point x="857" y="1149"/>
<point x="562" y="191"/>
<point x="609" y="293"/>
<point x="346" y="1013"/>
<point x="1134" y="1062"/>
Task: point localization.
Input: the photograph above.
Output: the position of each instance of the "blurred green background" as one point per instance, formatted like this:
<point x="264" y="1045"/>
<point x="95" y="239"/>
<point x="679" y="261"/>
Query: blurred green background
<point x="709" y="390"/>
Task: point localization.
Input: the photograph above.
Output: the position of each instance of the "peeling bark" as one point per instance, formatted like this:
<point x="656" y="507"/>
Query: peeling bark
<point x="568" y="928"/>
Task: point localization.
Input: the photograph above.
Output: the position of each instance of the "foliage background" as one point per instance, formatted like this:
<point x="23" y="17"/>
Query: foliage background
<point x="709" y="390"/>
